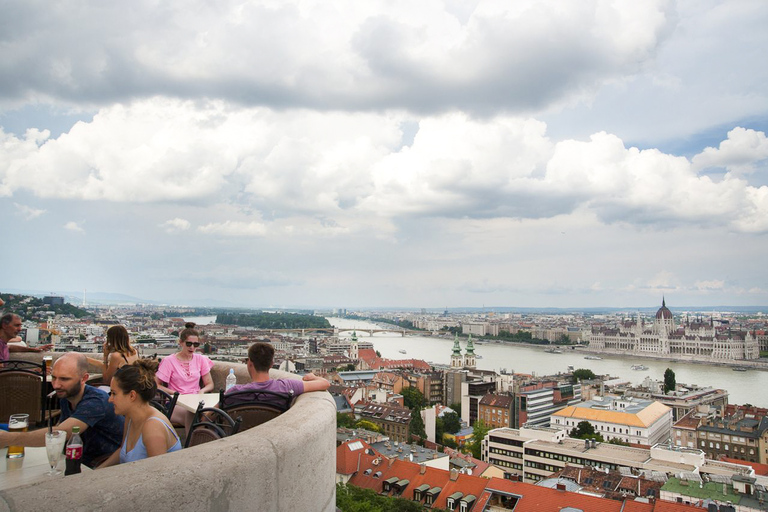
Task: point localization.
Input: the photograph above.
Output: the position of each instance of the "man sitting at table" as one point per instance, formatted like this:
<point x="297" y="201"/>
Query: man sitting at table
<point x="10" y="327"/>
<point x="260" y="359"/>
<point x="81" y="405"/>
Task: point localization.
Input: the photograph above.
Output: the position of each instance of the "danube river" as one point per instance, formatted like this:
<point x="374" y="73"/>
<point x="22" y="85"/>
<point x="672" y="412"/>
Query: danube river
<point x="743" y="387"/>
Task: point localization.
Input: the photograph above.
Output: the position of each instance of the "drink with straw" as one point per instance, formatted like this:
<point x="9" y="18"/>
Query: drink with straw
<point x="17" y="423"/>
<point x="54" y="447"/>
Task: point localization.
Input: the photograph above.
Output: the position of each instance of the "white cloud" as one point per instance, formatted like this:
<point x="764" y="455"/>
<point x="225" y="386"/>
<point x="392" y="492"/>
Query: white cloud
<point x="74" y="226"/>
<point x="712" y="285"/>
<point x="175" y="225"/>
<point x="738" y="153"/>
<point x="28" y="212"/>
<point x="234" y="228"/>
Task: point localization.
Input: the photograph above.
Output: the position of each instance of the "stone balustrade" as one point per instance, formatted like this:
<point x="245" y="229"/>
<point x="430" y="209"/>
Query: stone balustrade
<point x="285" y="464"/>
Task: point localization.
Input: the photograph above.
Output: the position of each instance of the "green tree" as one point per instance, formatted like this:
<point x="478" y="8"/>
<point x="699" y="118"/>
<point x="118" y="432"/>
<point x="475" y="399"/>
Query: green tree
<point x="350" y="367"/>
<point x="367" y="425"/>
<point x="585" y="430"/>
<point x="563" y="339"/>
<point x="583" y="374"/>
<point x="669" y="381"/>
<point x="413" y="398"/>
<point x="416" y="428"/>
<point x="378" y="354"/>
<point x="451" y="422"/>
<point x="479" y="431"/>
<point x="345" y="420"/>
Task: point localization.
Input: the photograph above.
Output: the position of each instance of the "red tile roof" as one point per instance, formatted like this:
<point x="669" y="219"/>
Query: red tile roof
<point x="349" y="460"/>
<point x="760" y="469"/>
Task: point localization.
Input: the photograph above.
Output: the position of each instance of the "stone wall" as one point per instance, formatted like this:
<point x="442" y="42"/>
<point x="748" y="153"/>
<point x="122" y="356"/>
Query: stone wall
<point x="286" y="464"/>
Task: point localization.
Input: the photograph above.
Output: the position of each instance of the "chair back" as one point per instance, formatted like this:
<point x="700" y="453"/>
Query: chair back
<point x="209" y="424"/>
<point x="255" y="407"/>
<point x="23" y="390"/>
<point x="164" y="402"/>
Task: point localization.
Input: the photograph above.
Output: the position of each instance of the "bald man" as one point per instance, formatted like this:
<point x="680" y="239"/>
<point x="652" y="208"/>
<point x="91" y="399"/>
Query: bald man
<point x="81" y="405"/>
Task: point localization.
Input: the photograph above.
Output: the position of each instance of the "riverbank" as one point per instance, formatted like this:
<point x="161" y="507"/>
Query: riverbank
<point x="758" y="364"/>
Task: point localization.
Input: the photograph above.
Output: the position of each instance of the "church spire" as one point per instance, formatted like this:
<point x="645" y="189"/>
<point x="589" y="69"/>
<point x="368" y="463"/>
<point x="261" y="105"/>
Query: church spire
<point x="470" y="346"/>
<point x="456" y="346"/>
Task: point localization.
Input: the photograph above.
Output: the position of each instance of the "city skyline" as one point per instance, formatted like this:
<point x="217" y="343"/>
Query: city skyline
<point x="452" y="154"/>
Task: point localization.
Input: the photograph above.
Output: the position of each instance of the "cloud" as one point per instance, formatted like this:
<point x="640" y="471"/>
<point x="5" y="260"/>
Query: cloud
<point x="738" y="153"/>
<point x="175" y="225"/>
<point x="478" y="57"/>
<point x="73" y="226"/>
<point x="353" y="170"/>
<point x="712" y="285"/>
<point x="234" y="228"/>
<point x="28" y="212"/>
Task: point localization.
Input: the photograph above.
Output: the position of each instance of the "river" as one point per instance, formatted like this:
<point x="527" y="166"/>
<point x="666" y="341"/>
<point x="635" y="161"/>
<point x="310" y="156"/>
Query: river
<point x="743" y="387"/>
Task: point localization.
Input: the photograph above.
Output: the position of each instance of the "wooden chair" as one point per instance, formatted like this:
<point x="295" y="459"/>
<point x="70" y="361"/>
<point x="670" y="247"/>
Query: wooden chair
<point x="210" y="424"/>
<point x="255" y="407"/>
<point x="23" y="389"/>
<point x="164" y="402"/>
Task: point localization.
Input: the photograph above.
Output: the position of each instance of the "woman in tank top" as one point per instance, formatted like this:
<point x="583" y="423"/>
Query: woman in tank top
<point x="118" y="352"/>
<point x="147" y="431"/>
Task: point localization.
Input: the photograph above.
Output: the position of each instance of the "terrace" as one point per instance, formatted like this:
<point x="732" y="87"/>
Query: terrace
<point x="285" y="464"/>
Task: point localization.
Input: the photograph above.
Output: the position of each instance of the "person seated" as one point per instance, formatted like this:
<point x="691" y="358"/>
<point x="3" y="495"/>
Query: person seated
<point x="260" y="359"/>
<point x="10" y="327"/>
<point x="118" y="352"/>
<point x="81" y="405"/>
<point x="183" y="370"/>
<point x="147" y="431"/>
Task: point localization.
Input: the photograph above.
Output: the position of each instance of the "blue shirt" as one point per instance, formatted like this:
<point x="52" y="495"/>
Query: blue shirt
<point x="140" y="451"/>
<point x="105" y="428"/>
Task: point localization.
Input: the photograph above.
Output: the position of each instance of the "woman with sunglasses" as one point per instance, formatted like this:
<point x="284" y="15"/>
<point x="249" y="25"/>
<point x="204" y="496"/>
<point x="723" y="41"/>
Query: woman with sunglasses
<point x="147" y="432"/>
<point x="183" y="371"/>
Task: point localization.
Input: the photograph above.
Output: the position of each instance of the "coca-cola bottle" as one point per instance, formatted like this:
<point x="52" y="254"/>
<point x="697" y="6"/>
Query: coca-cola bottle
<point x="74" y="452"/>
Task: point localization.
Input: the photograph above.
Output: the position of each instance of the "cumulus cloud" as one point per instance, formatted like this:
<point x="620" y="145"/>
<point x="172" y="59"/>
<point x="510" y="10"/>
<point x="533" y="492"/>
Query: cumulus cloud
<point x="175" y="225"/>
<point x="74" y="226"/>
<point x="358" y="169"/>
<point x="28" y="212"/>
<point x="234" y="228"/>
<point x="479" y="56"/>
<point x="739" y="153"/>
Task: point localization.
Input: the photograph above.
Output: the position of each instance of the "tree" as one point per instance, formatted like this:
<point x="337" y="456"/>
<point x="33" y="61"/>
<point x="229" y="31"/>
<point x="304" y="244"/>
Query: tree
<point x="416" y="428"/>
<point x="563" y="339"/>
<point x="350" y="367"/>
<point x="367" y="425"/>
<point x="583" y="374"/>
<point x="585" y="430"/>
<point x="345" y="420"/>
<point x="413" y="398"/>
<point x="479" y="431"/>
<point x="354" y="499"/>
<point x="669" y="381"/>
<point x="378" y="354"/>
<point x="451" y="422"/>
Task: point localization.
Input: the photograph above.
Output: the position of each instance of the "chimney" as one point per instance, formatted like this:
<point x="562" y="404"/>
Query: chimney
<point x="454" y="475"/>
<point x="422" y="469"/>
<point x="560" y="487"/>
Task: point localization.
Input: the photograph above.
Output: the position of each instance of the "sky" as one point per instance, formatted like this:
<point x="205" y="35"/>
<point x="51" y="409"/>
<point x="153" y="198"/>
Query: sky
<point x="386" y="154"/>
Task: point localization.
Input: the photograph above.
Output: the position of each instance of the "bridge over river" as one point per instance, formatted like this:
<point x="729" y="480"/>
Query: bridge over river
<point x="371" y="332"/>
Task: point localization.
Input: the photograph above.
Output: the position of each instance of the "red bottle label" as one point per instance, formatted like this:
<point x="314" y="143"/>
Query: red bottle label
<point x="74" y="452"/>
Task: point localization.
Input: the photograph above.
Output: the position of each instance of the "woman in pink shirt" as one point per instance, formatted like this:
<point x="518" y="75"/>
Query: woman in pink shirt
<point x="183" y="371"/>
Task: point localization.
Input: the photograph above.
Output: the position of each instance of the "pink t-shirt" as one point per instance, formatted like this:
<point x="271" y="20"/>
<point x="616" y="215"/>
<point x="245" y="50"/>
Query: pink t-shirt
<point x="5" y="352"/>
<point x="184" y="376"/>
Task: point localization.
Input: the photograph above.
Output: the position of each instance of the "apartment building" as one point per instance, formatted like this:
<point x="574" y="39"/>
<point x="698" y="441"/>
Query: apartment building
<point x="496" y="411"/>
<point x="393" y="420"/>
<point x="534" y="453"/>
<point x="536" y="402"/>
<point x="626" y="419"/>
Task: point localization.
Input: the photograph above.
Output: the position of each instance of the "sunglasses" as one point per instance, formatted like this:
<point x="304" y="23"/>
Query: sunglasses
<point x="192" y="343"/>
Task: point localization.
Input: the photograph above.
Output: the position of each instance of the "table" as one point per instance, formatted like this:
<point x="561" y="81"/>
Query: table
<point x="189" y="402"/>
<point x="28" y="470"/>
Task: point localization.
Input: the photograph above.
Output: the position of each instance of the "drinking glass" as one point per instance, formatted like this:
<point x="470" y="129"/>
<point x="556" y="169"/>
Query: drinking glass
<point x="54" y="447"/>
<point x="17" y="423"/>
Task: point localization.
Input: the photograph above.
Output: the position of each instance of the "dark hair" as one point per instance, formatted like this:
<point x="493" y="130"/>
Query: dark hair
<point x="139" y="377"/>
<point x="7" y="318"/>
<point x="189" y="330"/>
<point x="262" y="355"/>
<point x="118" y="340"/>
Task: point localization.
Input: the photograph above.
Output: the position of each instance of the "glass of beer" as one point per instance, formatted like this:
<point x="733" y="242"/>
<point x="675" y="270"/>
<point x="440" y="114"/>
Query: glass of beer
<point x="48" y="360"/>
<point x="17" y="423"/>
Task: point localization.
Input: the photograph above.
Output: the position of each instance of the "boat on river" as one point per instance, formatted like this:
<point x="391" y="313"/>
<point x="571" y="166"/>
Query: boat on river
<point x="639" y="367"/>
<point x="739" y="368"/>
<point x="553" y="351"/>
<point x="402" y="351"/>
<point x="593" y="358"/>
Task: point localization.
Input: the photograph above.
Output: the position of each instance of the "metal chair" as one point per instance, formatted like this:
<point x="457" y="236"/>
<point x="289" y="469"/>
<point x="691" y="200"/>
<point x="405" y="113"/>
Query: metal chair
<point x="255" y="407"/>
<point x="210" y="424"/>
<point x="164" y="402"/>
<point x="23" y="389"/>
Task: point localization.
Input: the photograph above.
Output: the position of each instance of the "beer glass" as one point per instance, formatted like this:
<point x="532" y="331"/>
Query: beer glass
<point x="48" y="360"/>
<point x="17" y="423"/>
<point x="54" y="447"/>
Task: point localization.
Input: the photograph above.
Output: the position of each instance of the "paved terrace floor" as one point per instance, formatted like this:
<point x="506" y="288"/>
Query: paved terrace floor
<point x="286" y="464"/>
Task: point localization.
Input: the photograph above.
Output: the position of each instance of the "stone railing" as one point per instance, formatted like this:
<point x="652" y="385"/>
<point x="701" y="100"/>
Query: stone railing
<point x="285" y="464"/>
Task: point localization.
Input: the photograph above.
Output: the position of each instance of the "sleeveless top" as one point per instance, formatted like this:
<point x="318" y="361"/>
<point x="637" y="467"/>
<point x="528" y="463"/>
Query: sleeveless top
<point x="140" y="451"/>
